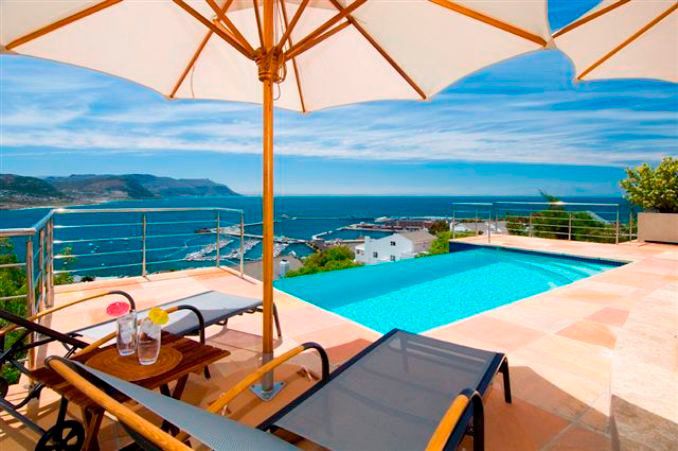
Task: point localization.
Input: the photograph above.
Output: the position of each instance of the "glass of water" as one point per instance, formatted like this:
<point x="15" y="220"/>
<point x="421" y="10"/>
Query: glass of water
<point x="148" y="347"/>
<point x="126" y="338"/>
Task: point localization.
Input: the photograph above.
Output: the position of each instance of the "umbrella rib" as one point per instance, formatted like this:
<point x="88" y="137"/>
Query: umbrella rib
<point x="283" y="8"/>
<point x="583" y="20"/>
<point x="61" y="23"/>
<point x="468" y="12"/>
<point x="258" y="20"/>
<point x="299" y="49"/>
<point x="629" y="40"/>
<point x="293" y="23"/>
<point x="381" y="51"/>
<point x="304" y="43"/>
<point x="190" y="64"/>
<point x="230" y="25"/>
<point x="218" y="31"/>
<point x="196" y="54"/>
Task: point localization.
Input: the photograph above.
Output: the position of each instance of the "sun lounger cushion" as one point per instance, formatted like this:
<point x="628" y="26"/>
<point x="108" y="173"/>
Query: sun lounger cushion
<point x="213" y="305"/>
<point x="390" y="397"/>
<point x="215" y="431"/>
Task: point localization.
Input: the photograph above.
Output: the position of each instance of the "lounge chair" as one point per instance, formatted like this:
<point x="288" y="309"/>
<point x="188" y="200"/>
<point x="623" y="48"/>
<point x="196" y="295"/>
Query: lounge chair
<point x="215" y="308"/>
<point x="15" y="356"/>
<point x="404" y="391"/>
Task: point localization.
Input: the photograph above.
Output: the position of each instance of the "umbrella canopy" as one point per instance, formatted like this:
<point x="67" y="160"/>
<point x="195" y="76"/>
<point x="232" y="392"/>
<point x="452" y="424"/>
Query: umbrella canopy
<point x="303" y="54"/>
<point x="337" y="52"/>
<point x="624" y="39"/>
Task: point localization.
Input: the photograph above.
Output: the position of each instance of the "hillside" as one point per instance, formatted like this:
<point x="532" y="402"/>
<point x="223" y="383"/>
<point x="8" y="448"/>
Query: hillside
<point x="20" y="191"/>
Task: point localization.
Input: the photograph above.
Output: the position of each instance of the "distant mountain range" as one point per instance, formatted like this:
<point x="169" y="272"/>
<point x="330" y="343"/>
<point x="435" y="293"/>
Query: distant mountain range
<point x="20" y="191"/>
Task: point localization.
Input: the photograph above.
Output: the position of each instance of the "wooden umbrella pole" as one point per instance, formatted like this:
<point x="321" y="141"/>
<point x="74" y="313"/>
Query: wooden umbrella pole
<point x="268" y="68"/>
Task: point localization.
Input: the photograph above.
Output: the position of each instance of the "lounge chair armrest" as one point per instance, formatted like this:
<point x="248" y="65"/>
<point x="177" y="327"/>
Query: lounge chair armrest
<point x="198" y="314"/>
<point x="49" y="311"/>
<point x="223" y="400"/>
<point x="467" y="398"/>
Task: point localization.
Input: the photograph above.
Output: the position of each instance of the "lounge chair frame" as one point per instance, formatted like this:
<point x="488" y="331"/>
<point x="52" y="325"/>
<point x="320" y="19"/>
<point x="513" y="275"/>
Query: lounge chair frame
<point x="466" y="407"/>
<point x="472" y="414"/>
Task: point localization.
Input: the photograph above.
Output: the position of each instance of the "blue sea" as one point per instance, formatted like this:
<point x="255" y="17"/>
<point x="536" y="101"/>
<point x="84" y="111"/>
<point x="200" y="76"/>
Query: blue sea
<point x="299" y="217"/>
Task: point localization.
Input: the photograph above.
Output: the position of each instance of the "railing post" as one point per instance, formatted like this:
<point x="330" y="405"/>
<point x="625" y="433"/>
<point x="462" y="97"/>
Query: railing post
<point x="143" y="244"/>
<point x="242" y="244"/>
<point x="569" y="227"/>
<point x="477" y="226"/>
<point x="489" y="223"/>
<point x="50" y="263"/>
<point x="30" y="295"/>
<point x="42" y="302"/>
<point x="496" y="218"/>
<point x="616" y="228"/>
<point x="630" y="224"/>
<point x="454" y="225"/>
<point x="531" y="232"/>
<point x="218" y="241"/>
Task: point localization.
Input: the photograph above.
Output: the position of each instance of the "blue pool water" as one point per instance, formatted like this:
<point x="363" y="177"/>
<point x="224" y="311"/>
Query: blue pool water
<point x="420" y="294"/>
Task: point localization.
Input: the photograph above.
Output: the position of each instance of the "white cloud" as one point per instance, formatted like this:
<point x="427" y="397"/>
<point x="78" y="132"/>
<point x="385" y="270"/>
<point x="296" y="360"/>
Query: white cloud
<point x="71" y="111"/>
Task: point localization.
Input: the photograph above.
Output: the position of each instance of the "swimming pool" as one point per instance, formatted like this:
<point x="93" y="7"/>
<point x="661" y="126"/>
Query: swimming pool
<point x="423" y="293"/>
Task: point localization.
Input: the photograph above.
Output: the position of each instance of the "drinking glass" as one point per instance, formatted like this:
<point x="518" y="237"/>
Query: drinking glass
<point x="148" y="347"/>
<point x="126" y="339"/>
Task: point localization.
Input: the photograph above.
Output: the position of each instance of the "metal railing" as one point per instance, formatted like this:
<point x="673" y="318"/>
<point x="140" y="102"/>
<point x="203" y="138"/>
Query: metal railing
<point x="597" y="222"/>
<point x="472" y="218"/>
<point x="49" y="247"/>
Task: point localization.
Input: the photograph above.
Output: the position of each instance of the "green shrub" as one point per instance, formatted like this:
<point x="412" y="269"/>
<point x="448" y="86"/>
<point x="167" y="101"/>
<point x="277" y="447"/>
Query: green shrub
<point x="438" y="226"/>
<point x="330" y="259"/>
<point x="653" y="189"/>
<point x="12" y="283"/>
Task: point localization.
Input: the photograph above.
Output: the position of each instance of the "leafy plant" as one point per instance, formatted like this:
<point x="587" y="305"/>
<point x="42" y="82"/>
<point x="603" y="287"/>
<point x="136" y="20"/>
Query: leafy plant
<point x="330" y="259"/>
<point x="438" y="226"/>
<point x="12" y="283"/>
<point x="653" y="189"/>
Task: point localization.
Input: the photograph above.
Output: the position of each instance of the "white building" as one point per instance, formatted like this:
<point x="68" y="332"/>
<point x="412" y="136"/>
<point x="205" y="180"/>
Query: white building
<point x="393" y="247"/>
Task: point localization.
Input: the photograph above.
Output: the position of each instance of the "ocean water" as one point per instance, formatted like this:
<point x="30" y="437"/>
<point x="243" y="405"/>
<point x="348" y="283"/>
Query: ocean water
<point x="423" y="293"/>
<point x="296" y="217"/>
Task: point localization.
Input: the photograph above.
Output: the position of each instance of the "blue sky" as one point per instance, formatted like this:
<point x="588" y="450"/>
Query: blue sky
<point x="511" y="129"/>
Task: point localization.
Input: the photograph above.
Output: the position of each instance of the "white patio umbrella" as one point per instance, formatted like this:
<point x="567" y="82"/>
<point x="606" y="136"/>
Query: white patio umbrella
<point x="319" y="53"/>
<point x="624" y="39"/>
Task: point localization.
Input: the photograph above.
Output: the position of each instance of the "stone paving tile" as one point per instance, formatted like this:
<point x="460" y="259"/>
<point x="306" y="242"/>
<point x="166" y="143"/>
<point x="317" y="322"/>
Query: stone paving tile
<point x="591" y="332"/>
<point x="576" y="438"/>
<point x="610" y="315"/>
<point x="559" y="343"/>
<point x="499" y="334"/>
<point x="520" y="425"/>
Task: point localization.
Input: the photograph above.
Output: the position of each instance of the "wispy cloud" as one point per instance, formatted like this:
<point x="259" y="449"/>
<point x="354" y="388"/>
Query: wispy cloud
<point x="523" y="111"/>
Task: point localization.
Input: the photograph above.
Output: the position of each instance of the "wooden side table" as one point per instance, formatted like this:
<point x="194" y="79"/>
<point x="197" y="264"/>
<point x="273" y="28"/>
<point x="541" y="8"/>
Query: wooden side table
<point x="194" y="358"/>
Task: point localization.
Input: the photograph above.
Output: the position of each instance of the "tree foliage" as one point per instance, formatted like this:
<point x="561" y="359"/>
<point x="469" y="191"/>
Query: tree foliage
<point x="441" y="245"/>
<point x="12" y="283"/>
<point x="330" y="259"/>
<point x="653" y="189"/>
<point x="438" y="226"/>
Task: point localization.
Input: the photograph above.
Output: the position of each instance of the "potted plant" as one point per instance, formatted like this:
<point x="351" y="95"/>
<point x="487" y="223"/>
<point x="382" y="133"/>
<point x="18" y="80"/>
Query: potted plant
<point x="656" y="192"/>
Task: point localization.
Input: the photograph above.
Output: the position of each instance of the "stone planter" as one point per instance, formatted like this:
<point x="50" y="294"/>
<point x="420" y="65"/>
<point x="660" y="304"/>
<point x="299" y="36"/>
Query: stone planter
<point x="658" y="227"/>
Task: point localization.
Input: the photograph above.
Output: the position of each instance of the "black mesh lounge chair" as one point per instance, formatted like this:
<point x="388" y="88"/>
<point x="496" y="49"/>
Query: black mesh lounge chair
<point x="393" y="395"/>
<point x="403" y="392"/>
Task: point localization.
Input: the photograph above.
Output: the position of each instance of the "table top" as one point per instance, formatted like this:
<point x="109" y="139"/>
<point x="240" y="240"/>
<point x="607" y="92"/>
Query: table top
<point x="195" y="357"/>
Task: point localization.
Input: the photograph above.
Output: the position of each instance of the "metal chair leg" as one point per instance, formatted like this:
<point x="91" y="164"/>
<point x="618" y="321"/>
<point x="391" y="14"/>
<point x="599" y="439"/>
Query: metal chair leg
<point x="504" y="369"/>
<point x="277" y="321"/>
